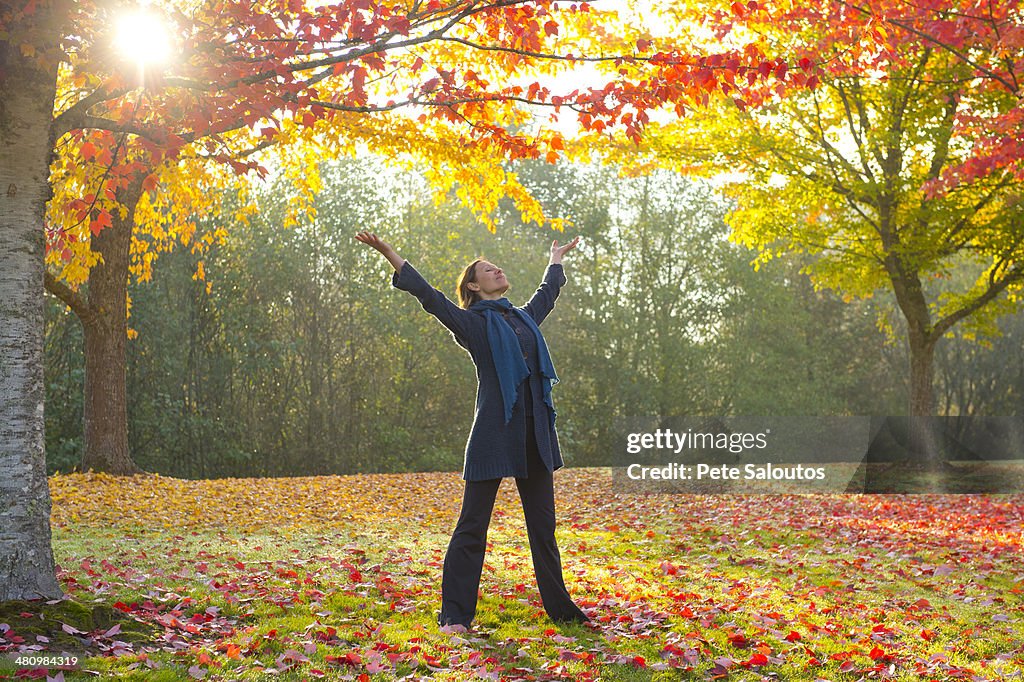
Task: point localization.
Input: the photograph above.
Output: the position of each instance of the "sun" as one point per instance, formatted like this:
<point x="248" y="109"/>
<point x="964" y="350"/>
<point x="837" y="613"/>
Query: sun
<point x="143" y="37"/>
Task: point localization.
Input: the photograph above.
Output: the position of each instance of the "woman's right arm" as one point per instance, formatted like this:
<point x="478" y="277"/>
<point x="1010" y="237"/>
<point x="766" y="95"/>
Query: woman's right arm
<point x="408" y="279"/>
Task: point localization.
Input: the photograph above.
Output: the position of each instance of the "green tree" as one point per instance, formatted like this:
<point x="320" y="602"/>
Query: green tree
<point x="847" y="173"/>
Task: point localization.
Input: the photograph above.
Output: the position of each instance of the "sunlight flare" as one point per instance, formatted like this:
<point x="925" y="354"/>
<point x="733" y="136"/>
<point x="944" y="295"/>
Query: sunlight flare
<point x="143" y="37"/>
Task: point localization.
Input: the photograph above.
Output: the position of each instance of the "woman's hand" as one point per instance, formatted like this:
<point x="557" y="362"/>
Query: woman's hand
<point x="372" y="240"/>
<point x="558" y="251"/>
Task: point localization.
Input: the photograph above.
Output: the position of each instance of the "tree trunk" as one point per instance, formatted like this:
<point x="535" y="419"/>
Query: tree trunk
<point x="924" y="440"/>
<point x="906" y="281"/>
<point x="29" y="85"/>
<point x="922" y="398"/>
<point x="106" y="338"/>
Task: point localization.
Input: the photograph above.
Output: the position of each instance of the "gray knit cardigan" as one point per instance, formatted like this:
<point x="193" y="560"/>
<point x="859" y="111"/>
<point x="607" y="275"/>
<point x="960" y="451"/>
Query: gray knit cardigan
<point x="495" y="449"/>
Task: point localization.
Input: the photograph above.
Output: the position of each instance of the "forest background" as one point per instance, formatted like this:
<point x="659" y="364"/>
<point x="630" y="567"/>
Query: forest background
<point x="285" y="350"/>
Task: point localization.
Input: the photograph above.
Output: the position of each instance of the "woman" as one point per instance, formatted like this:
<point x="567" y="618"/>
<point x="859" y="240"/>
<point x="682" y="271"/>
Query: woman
<point x="513" y="430"/>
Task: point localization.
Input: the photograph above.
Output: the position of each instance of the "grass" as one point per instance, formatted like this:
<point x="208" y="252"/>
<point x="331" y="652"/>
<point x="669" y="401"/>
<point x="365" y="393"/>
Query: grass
<point x="339" y="578"/>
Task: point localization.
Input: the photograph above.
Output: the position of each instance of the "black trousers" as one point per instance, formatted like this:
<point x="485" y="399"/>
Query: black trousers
<point x="464" y="560"/>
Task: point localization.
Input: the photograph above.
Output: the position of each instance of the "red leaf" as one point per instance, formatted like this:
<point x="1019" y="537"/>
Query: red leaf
<point x="359" y="84"/>
<point x="101" y="221"/>
<point x="739" y="640"/>
<point x="350" y="658"/>
<point x="757" y="659"/>
<point x="375" y="667"/>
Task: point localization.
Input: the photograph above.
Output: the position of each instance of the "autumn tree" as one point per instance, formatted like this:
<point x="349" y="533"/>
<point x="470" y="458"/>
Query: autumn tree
<point x="877" y="172"/>
<point x="90" y="264"/>
<point x="985" y="38"/>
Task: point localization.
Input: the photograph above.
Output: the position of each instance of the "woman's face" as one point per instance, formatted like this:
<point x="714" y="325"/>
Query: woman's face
<point x="490" y="280"/>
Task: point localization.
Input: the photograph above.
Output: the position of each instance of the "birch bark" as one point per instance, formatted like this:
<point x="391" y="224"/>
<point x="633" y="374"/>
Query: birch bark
<point x="28" y="83"/>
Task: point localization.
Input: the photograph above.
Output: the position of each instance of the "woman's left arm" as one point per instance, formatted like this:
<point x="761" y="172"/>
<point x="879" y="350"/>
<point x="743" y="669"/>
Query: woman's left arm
<point x="543" y="300"/>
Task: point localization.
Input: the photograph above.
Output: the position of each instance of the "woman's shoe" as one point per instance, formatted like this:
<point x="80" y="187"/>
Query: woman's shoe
<point x="450" y="626"/>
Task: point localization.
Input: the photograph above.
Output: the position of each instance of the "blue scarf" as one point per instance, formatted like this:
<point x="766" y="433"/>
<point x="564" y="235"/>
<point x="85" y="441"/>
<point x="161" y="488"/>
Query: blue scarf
<point x="508" y="356"/>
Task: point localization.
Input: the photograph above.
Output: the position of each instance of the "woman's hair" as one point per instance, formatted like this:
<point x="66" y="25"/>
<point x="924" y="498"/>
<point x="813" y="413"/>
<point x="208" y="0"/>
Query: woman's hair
<point x="467" y="296"/>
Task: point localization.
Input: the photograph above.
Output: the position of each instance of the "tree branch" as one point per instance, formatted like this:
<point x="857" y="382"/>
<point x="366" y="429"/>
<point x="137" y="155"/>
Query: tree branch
<point x="942" y="144"/>
<point x="84" y="120"/>
<point x="961" y="224"/>
<point x="854" y="131"/>
<point x="529" y="53"/>
<point x="79" y="304"/>
<point x="78" y="111"/>
<point x="995" y="288"/>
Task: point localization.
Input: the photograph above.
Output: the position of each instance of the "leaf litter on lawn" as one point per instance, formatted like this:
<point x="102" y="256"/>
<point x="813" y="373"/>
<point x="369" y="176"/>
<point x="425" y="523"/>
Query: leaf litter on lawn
<point x="340" y="577"/>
